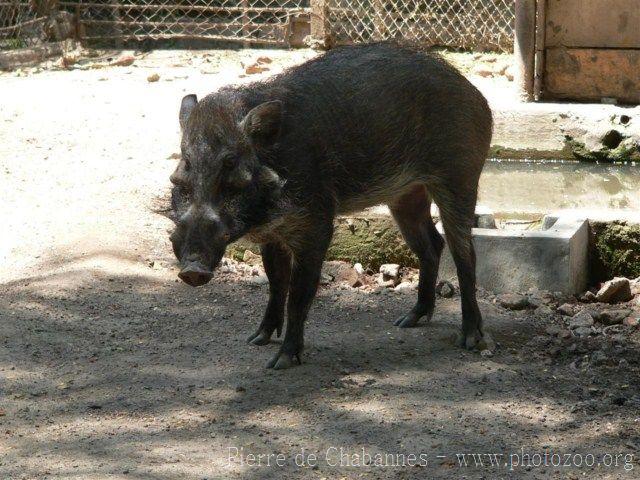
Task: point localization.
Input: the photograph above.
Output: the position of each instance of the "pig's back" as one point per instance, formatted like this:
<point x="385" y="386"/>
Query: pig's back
<point x="357" y="117"/>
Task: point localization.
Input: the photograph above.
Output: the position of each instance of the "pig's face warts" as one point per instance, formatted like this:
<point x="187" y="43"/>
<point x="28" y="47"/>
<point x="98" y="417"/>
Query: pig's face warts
<point x="219" y="173"/>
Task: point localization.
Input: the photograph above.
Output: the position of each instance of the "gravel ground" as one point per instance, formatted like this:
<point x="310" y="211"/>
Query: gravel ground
<point x="110" y="368"/>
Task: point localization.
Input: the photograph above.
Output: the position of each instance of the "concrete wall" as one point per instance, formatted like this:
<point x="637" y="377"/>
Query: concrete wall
<point x="513" y="261"/>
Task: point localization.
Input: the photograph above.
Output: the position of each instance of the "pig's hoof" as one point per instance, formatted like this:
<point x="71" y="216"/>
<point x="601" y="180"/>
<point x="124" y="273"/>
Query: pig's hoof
<point x="261" y="337"/>
<point x="284" y="360"/>
<point x="476" y="341"/>
<point x="409" y="320"/>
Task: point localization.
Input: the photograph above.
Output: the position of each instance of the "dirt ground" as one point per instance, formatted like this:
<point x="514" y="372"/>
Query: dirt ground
<point x="112" y="369"/>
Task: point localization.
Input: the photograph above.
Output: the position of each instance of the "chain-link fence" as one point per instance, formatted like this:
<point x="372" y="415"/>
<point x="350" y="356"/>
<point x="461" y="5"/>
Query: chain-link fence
<point x="20" y="24"/>
<point x="29" y="23"/>
<point x="467" y="24"/>
<point x="252" y="21"/>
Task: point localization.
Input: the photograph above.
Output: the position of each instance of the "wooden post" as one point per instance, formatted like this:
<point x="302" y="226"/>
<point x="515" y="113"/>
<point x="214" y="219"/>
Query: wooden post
<point x="525" y="47"/>
<point x="245" y="23"/>
<point x="320" y="29"/>
<point x="541" y="39"/>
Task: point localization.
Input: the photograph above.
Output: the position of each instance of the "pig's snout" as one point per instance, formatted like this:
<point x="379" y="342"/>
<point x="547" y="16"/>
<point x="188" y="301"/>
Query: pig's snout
<point x="195" y="274"/>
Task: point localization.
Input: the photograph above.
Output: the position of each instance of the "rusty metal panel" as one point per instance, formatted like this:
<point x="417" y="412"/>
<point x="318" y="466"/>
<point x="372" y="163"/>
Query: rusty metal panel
<point x="593" y="23"/>
<point x="591" y="74"/>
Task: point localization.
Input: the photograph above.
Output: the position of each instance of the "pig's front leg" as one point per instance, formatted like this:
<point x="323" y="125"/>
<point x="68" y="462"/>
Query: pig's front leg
<point x="307" y="263"/>
<point x="277" y="263"/>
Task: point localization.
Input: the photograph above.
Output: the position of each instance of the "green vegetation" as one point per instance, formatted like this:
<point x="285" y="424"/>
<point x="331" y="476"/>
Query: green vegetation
<point x="622" y="153"/>
<point x="370" y="241"/>
<point x="616" y="250"/>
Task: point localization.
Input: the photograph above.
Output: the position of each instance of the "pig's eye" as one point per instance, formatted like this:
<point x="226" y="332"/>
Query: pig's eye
<point x="228" y="159"/>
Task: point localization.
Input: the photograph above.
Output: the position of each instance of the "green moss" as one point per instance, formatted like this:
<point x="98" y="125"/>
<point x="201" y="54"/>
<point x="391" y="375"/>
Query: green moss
<point x="236" y="250"/>
<point x="370" y="241"/>
<point x="616" y="250"/>
<point x="624" y="152"/>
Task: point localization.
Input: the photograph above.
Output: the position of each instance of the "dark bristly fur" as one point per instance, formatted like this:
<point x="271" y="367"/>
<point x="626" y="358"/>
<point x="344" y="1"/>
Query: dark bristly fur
<point x="358" y="126"/>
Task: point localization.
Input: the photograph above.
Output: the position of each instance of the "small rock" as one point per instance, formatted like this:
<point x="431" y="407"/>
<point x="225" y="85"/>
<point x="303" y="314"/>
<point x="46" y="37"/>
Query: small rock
<point x="342" y="272"/>
<point x="251" y="258"/>
<point x="359" y="268"/>
<point x="553" y="330"/>
<point x="325" y="279"/>
<point x="614" y="291"/>
<point x="390" y="270"/>
<point x="565" y="333"/>
<point x="386" y="283"/>
<point x="154" y="77"/>
<point x="631" y="321"/>
<point x="406" y="287"/>
<point x="535" y="301"/>
<point x="255" y="69"/>
<point x="588" y="297"/>
<point x="593" y="312"/>
<point x="513" y="301"/>
<point x="599" y="358"/>
<point x="445" y="289"/>
<point x="566" y="309"/>
<point x="259" y="280"/>
<point x="228" y="269"/>
<point x="543" y="310"/>
<point x="486" y="353"/>
<point x="123" y="61"/>
<point x="582" y="331"/>
<point x="483" y="72"/>
<point x="581" y="320"/>
<point x="613" y="317"/>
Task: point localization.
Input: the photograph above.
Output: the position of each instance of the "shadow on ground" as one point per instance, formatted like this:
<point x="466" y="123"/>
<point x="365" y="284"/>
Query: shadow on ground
<point x="137" y="376"/>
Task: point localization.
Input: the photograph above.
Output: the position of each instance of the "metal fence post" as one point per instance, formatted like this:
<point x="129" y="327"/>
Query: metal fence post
<point x="525" y="46"/>
<point x="320" y="28"/>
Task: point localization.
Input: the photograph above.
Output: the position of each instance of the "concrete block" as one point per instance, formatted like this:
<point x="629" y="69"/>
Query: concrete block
<point x="555" y="259"/>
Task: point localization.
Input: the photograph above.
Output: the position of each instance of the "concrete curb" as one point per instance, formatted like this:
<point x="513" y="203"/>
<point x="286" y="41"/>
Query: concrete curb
<point x="566" y="131"/>
<point x="555" y="259"/>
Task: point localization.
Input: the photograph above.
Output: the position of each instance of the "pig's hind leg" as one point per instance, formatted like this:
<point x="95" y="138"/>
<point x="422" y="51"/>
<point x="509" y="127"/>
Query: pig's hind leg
<point x="412" y="212"/>
<point x="277" y="264"/>
<point x="457" y="204"/>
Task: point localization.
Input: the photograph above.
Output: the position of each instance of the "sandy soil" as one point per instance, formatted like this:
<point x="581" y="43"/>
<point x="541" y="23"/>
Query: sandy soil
<point x="110" y="368"/>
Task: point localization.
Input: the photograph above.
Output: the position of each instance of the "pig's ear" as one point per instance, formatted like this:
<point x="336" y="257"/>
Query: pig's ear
<point x="186" y="107"/>
<point x="262" y="123"/>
